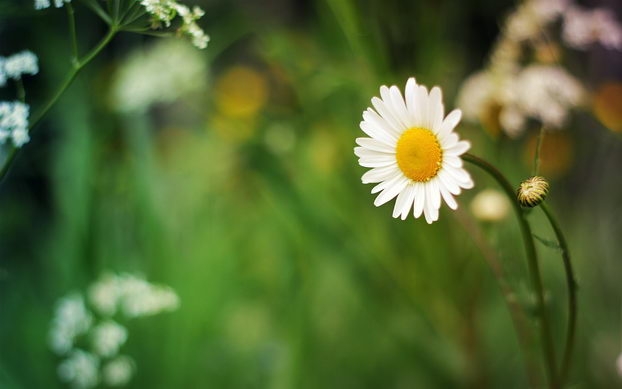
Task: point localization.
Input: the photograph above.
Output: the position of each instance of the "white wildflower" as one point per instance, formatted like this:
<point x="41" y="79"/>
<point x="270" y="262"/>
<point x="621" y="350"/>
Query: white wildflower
<point x="163" y="73"/>
<point x="24" y="62"/>
<point x="20" y="137"/>
<point x="161" y="10"/>
<point x="107" y="338"/>
<point x="530" y="18"/>
<point x="14" y="122"/>
<point x="119" y="371"/>
<point x="190" y="26"/>
<point x="41" y="4"/>
<point x="583" y="28"/>
<point x="71" y="319"/>
<point x="141" y="298"/>
<point x="104" y="295"/>
<point x="164" y="11"/>
<point x="490" y="205"/>
<point x="81" y="370"/>
<point x="547" y="93"/>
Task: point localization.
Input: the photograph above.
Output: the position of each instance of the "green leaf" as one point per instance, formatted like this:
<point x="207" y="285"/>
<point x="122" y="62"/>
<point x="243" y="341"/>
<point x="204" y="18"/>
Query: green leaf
<point x="548" y="243"/>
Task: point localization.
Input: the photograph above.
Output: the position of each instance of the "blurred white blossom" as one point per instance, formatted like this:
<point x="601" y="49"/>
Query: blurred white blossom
<point x="140" y="298"/>
<point x="71" y="319"/>
<point x="73" y="324"/>
<point x="41" y="4"/>
<point x="24" y="62"/>
<point x="132" y="295"/>
<point x="14" y="122"/>
<point x="583" y="27"/>
<point x="80" y="369"/>
<point x="547" y="93"/>
<point x="107" y="338"/>
<point x="517" y="86"/>
<point x="164" y="72"/>
<point x="490" y="205"/>
<point x="104" y="294"/>
<point x="118" y="371"/>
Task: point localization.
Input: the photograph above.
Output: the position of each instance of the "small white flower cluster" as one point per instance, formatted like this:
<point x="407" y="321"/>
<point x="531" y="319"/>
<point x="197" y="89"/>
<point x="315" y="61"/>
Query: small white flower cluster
<point x="14" y="115"/>
<point x="133" y="296"/>
<point x="41" y="4"/>
<point x="162" y="73"/>
<point x="75" y="329"/>
<point x="583" y="28"/>
<point x="511" y="90"/>
<point x="14" y="122"/>
<point x="164" y="11"/>
<point x="14" y="66"/>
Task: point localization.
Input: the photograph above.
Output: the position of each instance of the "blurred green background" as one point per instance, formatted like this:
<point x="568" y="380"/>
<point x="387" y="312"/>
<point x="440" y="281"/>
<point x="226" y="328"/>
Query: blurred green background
<point x="241" y="192"/>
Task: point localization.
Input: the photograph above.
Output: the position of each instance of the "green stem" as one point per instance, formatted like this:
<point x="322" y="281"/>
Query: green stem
<point x="21" y="92"/>
<point x="548" y="347"/>
<point x="536" y="157"/>
<point x="572" y="293"/>
<point x="71" y="75"/>
<point x="72" y="32"/>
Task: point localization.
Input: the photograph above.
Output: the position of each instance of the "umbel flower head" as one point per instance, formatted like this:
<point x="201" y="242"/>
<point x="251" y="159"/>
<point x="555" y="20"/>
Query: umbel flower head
<point x="413" y="151"/>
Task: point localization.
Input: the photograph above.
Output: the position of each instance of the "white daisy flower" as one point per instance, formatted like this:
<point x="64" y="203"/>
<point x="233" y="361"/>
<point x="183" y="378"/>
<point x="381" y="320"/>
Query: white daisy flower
<point x="413" y="151"/>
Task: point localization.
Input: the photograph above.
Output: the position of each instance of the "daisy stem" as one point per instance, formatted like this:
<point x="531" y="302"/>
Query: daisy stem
<point x="536" y="157"/>
<point x="572" y="293"/>
<point x="76" y="67"/>
<point x="548" y="347"/>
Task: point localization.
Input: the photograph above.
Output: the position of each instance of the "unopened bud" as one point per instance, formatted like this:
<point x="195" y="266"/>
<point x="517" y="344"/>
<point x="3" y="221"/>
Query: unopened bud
<point x="532" y="191"/>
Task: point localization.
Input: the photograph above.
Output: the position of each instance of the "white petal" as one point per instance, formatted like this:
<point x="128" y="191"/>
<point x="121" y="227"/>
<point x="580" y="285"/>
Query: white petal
<point x="452" y="160"/>
<point x="430" y="213"/>
<point x="375" y="145"/>
<point x="387" y="114"/>
<point x="411" y="98"/>
<point x="448" y="182"/>
<point x="449" y="141"/>
<point x="385" y="184"/>
<point x="450" y="122"/>
<point x="460" y="175"/>
<point x="399" y="106"/>
<point x="419" y="199"/>
<point x="432" y="194"/>
<point x="395" y="106"/>
<point x="449" y="199"/>
<point x="421" y="107"/>
<point x="390" y="192"/>
<point x="374" y="126"/>
<point x="363" y="152"/>
<point x="403" y="202"/>
<point x="459" y="148"/>
<point x="436" y="109"/>
<point x="408" y="203"/>
<point x="379" y="174"/>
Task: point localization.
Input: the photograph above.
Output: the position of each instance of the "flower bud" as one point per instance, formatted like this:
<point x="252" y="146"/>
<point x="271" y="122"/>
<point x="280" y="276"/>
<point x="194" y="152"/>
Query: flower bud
<point x="532" y="191"/>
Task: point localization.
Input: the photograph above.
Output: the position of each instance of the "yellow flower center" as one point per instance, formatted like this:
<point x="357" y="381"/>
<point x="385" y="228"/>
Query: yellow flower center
<point x="418" y="154"/>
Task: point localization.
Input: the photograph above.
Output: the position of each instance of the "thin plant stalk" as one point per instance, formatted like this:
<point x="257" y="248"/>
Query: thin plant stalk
<point x="536" y="157"/>
<point x="548" y="347"/>
<point x="517" y="313"/>
<point x="77" y="66"/>
<point x="572" y="294"/>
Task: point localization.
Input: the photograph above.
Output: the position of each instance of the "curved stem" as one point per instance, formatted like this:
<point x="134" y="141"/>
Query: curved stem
<point x="572" y="294"/>
<point x="71" y="75"/>
<point x="517" y="313"/>
<point x="548" y="347"/>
